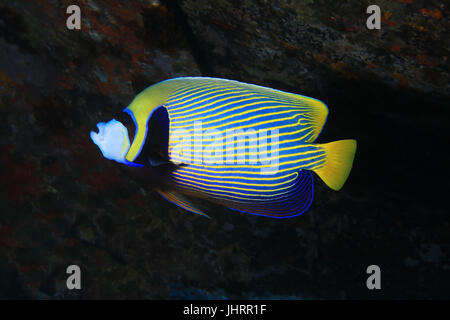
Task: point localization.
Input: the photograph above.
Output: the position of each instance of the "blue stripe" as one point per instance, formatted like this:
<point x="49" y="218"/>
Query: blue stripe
<point x="262" y="109"/>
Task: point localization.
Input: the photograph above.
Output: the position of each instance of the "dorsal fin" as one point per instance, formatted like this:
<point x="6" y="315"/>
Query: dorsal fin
<point x="314" y="112"/>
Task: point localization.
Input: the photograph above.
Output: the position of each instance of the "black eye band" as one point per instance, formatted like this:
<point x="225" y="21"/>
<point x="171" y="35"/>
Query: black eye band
<point x="128" y="122"/>
<point x="124" y="118"/>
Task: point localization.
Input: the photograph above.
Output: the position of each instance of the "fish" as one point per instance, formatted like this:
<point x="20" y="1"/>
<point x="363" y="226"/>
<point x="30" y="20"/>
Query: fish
<point x="244" y="146"/>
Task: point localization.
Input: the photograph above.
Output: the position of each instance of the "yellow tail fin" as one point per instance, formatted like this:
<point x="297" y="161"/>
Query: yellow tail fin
<point x="338" y="164"/>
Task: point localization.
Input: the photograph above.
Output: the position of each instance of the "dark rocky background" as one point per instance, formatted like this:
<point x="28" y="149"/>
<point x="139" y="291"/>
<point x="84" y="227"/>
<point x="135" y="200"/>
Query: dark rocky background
<point x="61" y="203"/>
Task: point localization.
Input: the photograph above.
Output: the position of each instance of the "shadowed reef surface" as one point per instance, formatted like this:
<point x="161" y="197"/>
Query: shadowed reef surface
<point x="61" y="203"/>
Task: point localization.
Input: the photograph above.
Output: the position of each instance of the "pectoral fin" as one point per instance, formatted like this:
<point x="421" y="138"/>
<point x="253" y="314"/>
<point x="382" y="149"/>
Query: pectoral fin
<point x="182" y="202"/>
<point x="156" y="161"/>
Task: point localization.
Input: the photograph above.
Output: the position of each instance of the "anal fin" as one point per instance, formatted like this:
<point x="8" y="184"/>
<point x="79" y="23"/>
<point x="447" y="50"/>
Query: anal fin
<point x="295" y="202"/>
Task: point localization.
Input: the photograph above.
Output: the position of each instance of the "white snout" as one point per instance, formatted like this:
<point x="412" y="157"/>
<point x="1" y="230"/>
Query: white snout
<point x="112" y="139"/>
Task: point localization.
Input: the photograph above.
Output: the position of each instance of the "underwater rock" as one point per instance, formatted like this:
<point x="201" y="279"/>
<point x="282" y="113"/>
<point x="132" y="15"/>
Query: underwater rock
<point x="62" y="203"/>
<point x="302" y="44"/>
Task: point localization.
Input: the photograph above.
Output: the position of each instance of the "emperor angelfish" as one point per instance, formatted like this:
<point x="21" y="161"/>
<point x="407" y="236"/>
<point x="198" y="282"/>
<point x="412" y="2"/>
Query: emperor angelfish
<point x="244" y="146"/>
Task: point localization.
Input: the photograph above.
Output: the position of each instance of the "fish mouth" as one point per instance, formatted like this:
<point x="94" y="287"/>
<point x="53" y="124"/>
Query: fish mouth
<point x="98" y="137"/>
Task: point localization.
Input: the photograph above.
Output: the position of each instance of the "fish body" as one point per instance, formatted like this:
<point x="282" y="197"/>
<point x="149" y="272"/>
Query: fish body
<point x="247" y="147"/>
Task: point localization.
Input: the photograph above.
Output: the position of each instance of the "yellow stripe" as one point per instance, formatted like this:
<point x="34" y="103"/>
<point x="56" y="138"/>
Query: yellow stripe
<point x="251" y="140"/>
<point x="180" y="159"/>
<point x="282" y="96"/>
<point x="141" y="107"/>
<point x="188" y="88"/>
<point x="191" y="87"/>
<point x="209" y="191"/>
<point x="254" y="96"/>
<point x="221" y="106"/>
<point x="210" y="90"/>
<point x="241" y="183"/>
<point x="196" y="94"/>
<point x="202" y="169"/>
<point x="238" y="114"/>
<point x="216" y="186"/>
<point x="246" y="119"/>
<point x="246" y="126"/>
<point x="139" y="137"/>
<point x="227" y="89"/>
<point x="238" y="95"/>
<point x="189" y="173"/>
<point x="257" y="153"/>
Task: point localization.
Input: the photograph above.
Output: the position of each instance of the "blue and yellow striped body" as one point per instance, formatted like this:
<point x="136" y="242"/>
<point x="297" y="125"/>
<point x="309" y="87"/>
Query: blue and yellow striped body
<point x="244" y="146"/>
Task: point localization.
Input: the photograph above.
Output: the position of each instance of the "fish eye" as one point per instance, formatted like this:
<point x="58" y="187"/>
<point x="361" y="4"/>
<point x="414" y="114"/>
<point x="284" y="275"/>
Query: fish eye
<point x="128" y="123"/>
